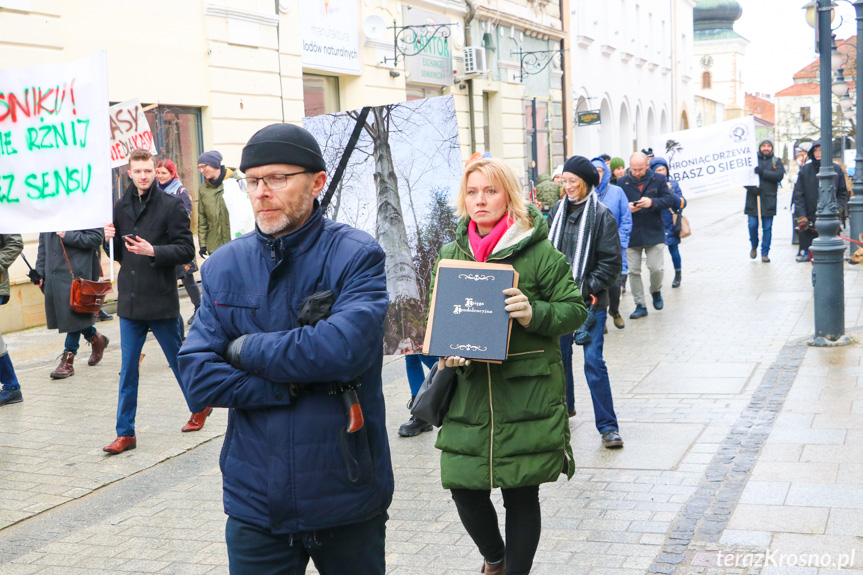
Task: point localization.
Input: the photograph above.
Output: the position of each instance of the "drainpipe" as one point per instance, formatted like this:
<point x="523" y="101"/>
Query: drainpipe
<point x="564" y="79"/>
<point x="673" y="9"/>
<point x="468" y="37"/>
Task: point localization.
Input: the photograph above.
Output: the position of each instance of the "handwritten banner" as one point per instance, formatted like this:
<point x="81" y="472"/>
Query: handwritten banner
<point x="711" y="159"/>
<point x="55" y="173"/>
<point x="129" y="131"/>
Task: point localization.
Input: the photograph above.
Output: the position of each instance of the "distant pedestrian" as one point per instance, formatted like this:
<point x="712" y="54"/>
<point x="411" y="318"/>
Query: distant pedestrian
<point x="555" y="176"/>
<point x="62" y="256"/>
<point x="806" y="198"/>
<point x="169" y="182"/>
<point x="151" y="238"/>
<point x="618" y="169"/>
<point x="614" y="198"/>
<point x="220" y="187"/>
<point x="648" y="194"/>
<point x="507" y="425"/>
<point x="414" y="362"/>
<point x="585" y="230"/>
<point x="11" y="246"/>
<point x="648" y="152"/>
<point x="672" y="238"/>
<point x="761" y="199"/>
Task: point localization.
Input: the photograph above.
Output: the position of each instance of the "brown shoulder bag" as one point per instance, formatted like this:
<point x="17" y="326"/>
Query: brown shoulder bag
<point x="86" y="296"/>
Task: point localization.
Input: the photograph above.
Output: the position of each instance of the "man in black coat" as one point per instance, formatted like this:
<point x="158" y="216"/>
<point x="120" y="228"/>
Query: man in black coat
<point x="806" y="198"/>
<point x="151" y="237"/>
<point x="648" y="195"/>
<point x="770" y="172"/>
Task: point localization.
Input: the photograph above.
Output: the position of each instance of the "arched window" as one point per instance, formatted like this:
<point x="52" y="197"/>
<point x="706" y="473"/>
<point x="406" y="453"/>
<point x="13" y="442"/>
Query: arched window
<point x="706" y="81"/>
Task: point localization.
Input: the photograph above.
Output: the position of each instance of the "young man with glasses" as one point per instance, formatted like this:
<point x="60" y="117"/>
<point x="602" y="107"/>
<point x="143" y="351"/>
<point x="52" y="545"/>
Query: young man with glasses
<point x="298" y="482"/>
<point x="223" y="209"/>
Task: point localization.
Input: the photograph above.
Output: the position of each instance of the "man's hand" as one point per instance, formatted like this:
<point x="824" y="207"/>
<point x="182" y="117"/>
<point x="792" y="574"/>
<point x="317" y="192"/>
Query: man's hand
<point x="234" y="352"/>
<point x="109" y="231"/>
<point x="61" y="234"/>
<point x="139" y="246"/>
<point x="802" y="224"/>
<point x="758" y="170"/>
<point x="203" y="251"/>
<point x="633" y="207"/>
<point x="452" y="361"/>
<point x="644" y="203"/>
<point x="518" y="306"/>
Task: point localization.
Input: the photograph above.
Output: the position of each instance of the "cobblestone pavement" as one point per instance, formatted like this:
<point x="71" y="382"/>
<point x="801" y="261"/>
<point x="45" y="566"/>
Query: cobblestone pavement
<point x="744" y="447"/>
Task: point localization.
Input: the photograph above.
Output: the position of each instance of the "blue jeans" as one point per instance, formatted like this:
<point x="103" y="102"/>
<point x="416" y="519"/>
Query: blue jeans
<point x="414" y="365"/>
<point x="766" y="233"/>
<point x="595" y="372"/>
<point x="674" y="250"/>
<point x="356" y="548"/>
<point x="73" y="338"/>
<point x="133" y="334"/>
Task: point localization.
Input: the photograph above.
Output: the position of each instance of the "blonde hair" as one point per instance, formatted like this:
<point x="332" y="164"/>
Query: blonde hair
<point x="501" y="176"/>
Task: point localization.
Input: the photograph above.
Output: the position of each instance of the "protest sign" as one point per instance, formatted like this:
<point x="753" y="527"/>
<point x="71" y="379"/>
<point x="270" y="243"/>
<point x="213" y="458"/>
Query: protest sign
<point x="55" y="173"/>
<point x="129" y="131"/>
<point x="713" y="158"/>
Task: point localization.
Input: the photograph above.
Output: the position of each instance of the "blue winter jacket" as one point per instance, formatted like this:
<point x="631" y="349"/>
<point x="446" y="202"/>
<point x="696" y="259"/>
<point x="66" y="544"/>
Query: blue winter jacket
<point x="286" y="464"/>
<point x="615" y="200"/>
<point x="679" y="203"/>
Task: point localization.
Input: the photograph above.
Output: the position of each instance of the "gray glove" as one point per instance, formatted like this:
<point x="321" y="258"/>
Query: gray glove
<point x="234" y="351"/>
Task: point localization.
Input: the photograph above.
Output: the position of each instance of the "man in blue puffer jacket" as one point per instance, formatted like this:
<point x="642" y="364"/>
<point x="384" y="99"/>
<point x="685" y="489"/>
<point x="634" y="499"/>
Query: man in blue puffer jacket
<point x="615" y="200"/>
<point x="297" y="484"/>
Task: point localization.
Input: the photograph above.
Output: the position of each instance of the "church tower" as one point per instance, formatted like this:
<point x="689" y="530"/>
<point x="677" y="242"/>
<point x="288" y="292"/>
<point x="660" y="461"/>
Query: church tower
<point x="719" y="55"/>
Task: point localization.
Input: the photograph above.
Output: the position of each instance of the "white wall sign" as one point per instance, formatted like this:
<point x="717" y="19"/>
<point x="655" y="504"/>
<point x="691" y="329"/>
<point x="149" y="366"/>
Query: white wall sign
<point x="331" y="35"/>
<point x="713" y="158"/>
<point x="129" y="131"/>
<point x="433" y="64"/>
<point x="55" y="172"/>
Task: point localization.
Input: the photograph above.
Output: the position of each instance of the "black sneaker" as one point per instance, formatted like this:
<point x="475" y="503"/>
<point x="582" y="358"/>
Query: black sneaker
<point x="657" y="300"/>
<point x="103" y="316"/>
<point x="640" y="311"/>
<point x="414" y="427"/>
<point x="612" y="440"/>
<point x="10" y="396"/>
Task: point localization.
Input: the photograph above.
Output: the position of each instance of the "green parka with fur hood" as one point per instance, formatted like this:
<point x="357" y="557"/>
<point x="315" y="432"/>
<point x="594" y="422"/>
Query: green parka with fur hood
<point x="508" y="425"/>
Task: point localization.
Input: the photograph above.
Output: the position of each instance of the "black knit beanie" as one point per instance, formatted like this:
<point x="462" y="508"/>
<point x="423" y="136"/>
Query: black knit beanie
<point x="583" y="168"/>
<point x="283" y="144"/>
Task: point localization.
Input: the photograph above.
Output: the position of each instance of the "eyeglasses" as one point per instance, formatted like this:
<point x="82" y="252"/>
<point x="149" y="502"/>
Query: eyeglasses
<point x="273" y="181"/>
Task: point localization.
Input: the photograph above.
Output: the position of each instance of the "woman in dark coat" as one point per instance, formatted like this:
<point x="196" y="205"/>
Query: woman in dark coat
<point x="80" y="246"/>
<point x="672" y="240"/>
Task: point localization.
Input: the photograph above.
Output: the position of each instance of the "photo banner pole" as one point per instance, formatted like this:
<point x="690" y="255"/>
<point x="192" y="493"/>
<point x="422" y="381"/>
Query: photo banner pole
<point x="346" y="156"/>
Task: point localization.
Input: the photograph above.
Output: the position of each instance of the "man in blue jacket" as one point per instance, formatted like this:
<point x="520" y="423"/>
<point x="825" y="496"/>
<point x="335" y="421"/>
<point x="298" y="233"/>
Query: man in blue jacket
<point x="648" y="196"/>
<point x="298" y="483"/>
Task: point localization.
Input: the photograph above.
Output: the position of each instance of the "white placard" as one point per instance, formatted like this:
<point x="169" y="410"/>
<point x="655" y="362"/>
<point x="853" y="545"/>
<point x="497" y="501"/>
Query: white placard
<point x="129" y="131"/>
<point x="55" y="170"/>
<point x="331" y="35"/>
<point x="713" y="158"/>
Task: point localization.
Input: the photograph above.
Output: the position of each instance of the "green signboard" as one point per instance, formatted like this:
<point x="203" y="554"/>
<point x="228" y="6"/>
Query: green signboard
<point x="589" y="118"/>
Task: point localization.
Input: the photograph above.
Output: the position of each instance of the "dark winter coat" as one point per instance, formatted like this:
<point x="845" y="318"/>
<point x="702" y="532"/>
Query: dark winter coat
<point x="805" y="198"/>
<point x="604" y="261"/>
<point x="671" y="238"/>
<point x="770" y="172"/>
<point x="648" y="228"/>
<point x="283" y="466"/>
<point x="507" y="424"/>
<point x="147" y="286"/>
<point x="82" y="247"/>
<point x="11" y="246"/>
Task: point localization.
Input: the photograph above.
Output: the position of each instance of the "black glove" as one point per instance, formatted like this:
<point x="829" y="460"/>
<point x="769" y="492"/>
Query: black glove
<point x="582" y="335"/>
<point x="34" y="276"/>
<point x="203" y="251"/>
<point x="233" y="353"/>
<point x="758" y="170"/>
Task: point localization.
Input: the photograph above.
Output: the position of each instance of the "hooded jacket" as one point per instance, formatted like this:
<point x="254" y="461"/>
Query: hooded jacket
<point x="770" y="172"/>
<point x="214" y="222"/>
<point x="648" y="228"/>
<point x="679" y="203"/>
<point x="613" y="197"/>
<point x="286" y="464"/>
<point x="805" y="197"/>
<point x="508" y="425"/>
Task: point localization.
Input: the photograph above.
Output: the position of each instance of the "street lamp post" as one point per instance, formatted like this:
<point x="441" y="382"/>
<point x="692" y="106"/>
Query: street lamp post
<point x="827" y="249"/>
<point x="855" y="204"/>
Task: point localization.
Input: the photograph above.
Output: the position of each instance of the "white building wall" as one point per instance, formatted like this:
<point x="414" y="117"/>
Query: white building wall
<point x="630" y="60"/>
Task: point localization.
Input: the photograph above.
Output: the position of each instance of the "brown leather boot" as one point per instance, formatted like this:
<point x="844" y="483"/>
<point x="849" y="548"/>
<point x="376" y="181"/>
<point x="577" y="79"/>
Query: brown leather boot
<point x="98" y="343"/>
<point x="65" y="369"/>
<point x="496" y="569"/>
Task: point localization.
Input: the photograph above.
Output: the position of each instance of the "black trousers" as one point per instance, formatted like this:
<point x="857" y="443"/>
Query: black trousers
<point x="806" y="237"/>
<point x="523" y="525"/>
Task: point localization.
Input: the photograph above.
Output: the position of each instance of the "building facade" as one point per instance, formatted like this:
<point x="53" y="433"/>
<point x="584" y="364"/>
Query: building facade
<point x="632" y="64"/>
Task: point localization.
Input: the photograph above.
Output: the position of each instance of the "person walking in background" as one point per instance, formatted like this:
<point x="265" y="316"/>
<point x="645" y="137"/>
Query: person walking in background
<point x="11" y="246"/>
<point x="507" y="425"/>
<point x="806" y="198"/>
<point x="169" y="182"/>
<point x="585" y="230"/>
<point x="214" y="221"/>
<point x="648" y="195"/>
<point x="618" y="169"/>
<point x="614" y="199"/>
<point x="62" y="256"/>
<point x="414" y="362"/>
<point x="761" y="199"/>
<point x="672" y="239"/>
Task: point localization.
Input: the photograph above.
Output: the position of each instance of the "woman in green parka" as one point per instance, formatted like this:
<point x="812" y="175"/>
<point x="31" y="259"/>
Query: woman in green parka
<point x="507" y="425"/>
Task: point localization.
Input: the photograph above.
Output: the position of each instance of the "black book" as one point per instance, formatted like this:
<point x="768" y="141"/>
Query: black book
<point x="467" y="316"/>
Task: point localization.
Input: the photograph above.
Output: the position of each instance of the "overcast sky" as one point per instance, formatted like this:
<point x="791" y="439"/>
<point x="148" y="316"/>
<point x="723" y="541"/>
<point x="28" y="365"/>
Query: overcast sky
<point x="781" y="41"/>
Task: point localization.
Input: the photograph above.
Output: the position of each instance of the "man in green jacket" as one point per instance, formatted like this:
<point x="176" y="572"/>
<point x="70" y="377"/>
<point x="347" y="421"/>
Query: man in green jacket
<point x="214" y="223"/>
<point x="11" y="246"/>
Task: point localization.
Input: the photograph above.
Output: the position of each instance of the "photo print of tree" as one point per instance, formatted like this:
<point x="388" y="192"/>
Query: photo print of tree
<point x="398" y="186"/>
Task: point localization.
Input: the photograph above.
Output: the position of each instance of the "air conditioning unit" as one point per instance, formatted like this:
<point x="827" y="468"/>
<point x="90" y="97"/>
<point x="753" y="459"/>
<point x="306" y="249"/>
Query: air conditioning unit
<point x="474" y="60"/>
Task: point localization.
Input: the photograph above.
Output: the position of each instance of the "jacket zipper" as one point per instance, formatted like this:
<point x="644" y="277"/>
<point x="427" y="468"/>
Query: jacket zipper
<point x="491" y="442"/>
<point x="525" y="353"/>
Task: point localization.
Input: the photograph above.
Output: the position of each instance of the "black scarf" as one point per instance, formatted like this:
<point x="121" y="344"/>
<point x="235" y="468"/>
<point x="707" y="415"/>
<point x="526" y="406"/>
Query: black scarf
<point x="218" y="181"/>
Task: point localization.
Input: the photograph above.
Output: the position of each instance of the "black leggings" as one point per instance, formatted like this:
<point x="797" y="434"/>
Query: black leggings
<point x="523" y="525"/>
<point x="192" y="289"/>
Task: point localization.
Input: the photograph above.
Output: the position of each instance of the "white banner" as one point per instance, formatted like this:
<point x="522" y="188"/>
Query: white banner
<point x="713" y="158"/>
<point x="55" y="173"/>
<point x="129" y="131"/>
<point x="331" y="35"/>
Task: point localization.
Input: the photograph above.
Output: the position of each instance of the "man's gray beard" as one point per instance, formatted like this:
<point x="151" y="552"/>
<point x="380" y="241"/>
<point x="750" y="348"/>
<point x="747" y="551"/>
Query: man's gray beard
<point x="282" y="223"/>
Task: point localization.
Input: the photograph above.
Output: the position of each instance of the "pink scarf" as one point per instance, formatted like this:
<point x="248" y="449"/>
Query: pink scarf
<point x="483" y="246"/>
